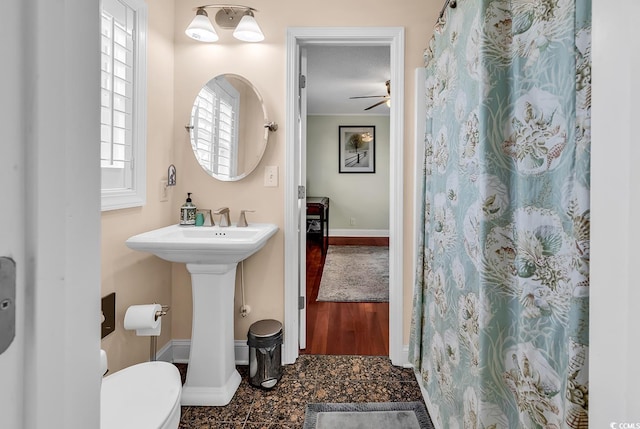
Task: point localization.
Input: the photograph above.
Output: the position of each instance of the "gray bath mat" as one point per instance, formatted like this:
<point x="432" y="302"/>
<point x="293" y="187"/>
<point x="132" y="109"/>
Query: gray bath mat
<point x="373" y="415"/>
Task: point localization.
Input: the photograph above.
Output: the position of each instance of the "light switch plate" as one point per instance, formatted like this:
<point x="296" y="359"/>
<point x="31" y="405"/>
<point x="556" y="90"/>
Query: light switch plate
<point x="271" y="176"/>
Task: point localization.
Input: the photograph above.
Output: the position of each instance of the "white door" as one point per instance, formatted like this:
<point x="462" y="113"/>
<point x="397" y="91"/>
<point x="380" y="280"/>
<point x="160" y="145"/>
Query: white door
<point x="12" y="237"/>
<point x="12" y="281"/>
<point x="50" y="216"/>
<point x="302" y="199"/>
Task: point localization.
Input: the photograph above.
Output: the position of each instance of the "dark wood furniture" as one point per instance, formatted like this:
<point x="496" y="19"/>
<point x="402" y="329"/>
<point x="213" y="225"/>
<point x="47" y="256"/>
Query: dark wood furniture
<point x="318" y="210"/>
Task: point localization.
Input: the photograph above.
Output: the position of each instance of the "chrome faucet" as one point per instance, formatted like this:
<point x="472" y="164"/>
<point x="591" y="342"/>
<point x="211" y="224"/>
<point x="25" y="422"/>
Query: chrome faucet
<point x="243" y="219"/>
<point x="225" y="220"/>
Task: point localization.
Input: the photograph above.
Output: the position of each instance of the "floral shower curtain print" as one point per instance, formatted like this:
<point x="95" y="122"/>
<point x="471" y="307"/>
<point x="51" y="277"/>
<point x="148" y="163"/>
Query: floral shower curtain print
<point x="500" y="321"/>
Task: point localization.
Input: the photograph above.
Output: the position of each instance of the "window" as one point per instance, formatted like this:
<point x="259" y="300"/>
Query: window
<point x="123" y="103"/>
<point x="215" y="131"/>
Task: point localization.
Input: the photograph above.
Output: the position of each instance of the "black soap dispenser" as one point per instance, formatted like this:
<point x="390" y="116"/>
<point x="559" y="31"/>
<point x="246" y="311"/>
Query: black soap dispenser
<point x="188" y="212"/>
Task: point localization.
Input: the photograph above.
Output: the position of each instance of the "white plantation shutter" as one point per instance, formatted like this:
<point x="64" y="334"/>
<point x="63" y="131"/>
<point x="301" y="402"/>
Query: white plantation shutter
<point x="123" y="103"/>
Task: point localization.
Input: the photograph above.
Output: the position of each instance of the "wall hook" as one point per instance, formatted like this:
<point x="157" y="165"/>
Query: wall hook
<point x="271" y="125"/>
<point x="171" y="175"/>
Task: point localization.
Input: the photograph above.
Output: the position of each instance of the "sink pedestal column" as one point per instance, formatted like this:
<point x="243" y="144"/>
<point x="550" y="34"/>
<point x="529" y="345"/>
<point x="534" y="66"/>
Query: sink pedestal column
<point x="212" y="378"/>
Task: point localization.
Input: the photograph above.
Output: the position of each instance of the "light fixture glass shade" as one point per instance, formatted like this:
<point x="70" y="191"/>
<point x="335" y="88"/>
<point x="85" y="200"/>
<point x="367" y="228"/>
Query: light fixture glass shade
<point x="248" y="29"/>
<point x="201" y="29"/>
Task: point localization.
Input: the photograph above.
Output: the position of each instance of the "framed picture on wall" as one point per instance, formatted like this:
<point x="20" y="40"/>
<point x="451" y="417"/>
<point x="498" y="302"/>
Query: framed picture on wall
<point x="357" y="149"/>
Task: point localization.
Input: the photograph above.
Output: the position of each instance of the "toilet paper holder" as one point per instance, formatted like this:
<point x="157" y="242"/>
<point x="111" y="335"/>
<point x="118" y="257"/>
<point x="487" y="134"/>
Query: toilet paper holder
<point x="163" y="312"/>
<point x="153" y="346"/>
<point x="139" y="318"/>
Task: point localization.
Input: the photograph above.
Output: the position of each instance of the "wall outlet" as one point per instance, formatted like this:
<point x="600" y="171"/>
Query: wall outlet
<point x="271" y="176"/>
<point x="163" y="191"/>
<point x="352" y="221"/>
<point x="245" y="310"/>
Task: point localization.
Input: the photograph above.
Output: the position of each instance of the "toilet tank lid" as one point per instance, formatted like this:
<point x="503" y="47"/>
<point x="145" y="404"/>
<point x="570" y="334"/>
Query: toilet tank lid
<point x="142" y="395"/>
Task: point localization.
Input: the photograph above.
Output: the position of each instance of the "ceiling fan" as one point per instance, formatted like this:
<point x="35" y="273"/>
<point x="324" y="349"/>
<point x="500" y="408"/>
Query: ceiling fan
<point x="386" y="98"/>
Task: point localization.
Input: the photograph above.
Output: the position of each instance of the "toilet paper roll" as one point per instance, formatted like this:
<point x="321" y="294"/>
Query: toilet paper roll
<point x="142" y="318"/>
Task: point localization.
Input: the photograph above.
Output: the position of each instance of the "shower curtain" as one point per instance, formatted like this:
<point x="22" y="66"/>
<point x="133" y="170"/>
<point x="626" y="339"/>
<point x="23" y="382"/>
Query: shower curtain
<point x="499" y="332"/>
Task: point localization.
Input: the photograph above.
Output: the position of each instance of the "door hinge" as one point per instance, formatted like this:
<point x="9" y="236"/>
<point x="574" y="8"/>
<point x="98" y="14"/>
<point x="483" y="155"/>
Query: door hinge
<point x="301" y="303"/>
<point x="303" y="81"/>
<point x="301" y="192"/>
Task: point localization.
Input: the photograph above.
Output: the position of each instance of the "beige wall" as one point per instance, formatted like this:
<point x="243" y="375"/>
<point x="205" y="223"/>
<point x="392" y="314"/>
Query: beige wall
<point x="362" y="196"/>
<point x="176" y="74"/>
<point x="264" y="65"/>
<point x="139" y="278"/>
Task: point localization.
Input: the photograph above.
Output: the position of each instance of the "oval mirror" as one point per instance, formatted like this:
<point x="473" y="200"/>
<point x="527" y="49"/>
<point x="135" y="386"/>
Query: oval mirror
<point x="227" y="127"/>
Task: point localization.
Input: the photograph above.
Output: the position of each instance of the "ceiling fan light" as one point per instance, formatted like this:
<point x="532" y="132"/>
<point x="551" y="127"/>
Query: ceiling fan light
<point x="248" y="29"/>
<point x="388" y="103"/>
<point x="201" y="29"/>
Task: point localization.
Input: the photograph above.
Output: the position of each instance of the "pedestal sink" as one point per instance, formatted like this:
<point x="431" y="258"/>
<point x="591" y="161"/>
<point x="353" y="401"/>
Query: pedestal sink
<point x="211" y="255"/>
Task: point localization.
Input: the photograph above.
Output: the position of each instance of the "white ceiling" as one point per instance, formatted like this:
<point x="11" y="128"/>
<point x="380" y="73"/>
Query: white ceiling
<point x="335" y="73"/>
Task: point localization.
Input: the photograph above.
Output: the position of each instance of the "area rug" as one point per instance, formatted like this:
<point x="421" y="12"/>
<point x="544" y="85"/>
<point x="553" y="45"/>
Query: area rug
<point x="355" y="274"/>
<point x="373" y="415"/>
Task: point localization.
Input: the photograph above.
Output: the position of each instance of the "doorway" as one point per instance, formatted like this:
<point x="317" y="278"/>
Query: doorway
<point x="295" y="180"/>
<point x="345" y="326"/>
<point x="348" y="90"/>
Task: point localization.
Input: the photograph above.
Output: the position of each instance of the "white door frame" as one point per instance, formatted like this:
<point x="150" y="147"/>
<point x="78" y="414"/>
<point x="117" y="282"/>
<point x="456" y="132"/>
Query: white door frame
<point x="50" y="222"/>
<point x="12" y="219"/>
<point x="301" y="174"/>
<point x="373" y="36"/>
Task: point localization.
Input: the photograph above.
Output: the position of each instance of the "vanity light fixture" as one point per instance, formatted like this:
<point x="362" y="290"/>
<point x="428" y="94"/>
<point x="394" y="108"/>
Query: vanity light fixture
<point x="201" y="29"/>
<point x="237" y="17"/>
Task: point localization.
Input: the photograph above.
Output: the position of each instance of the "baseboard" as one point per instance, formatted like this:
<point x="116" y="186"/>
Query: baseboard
<point x="404" y="357"/>
<point x="358" y="233"/>
<point x="242" y="352"/>
<point x="165" y="354"/>
<point x="177" y="351"/>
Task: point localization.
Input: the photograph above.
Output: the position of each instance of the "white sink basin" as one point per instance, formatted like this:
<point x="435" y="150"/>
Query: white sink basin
<point x="211" y="254"/>
<point x="203" y="244"/>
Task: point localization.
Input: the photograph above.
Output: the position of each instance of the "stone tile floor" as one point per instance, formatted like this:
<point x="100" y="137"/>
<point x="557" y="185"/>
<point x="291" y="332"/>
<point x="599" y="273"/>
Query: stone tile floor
<point x="311" y="379"/>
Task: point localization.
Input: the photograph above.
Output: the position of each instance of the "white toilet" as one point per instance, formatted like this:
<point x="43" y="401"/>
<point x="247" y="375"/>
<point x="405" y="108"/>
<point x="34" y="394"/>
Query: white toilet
<point x="142" y="396"/>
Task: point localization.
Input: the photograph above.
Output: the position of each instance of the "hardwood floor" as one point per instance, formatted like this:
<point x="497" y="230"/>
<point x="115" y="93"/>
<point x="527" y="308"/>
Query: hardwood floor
<point x="343" y="328"/>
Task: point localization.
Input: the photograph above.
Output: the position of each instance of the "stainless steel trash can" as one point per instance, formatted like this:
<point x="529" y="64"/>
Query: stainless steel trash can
<point x="265" y="343"/>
